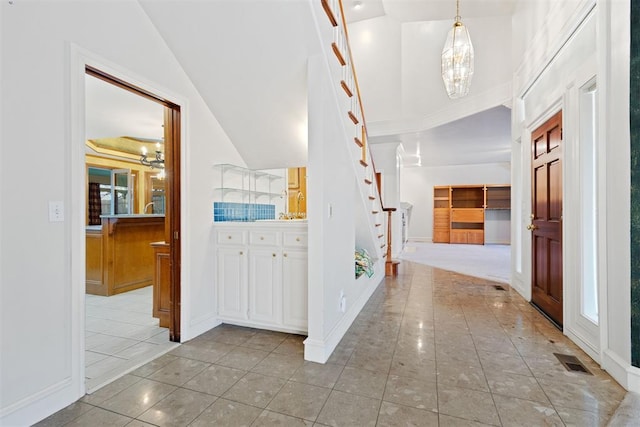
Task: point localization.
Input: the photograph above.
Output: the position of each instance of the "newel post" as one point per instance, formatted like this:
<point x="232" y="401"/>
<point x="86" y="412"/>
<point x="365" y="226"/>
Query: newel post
<point x="390" y="266"/>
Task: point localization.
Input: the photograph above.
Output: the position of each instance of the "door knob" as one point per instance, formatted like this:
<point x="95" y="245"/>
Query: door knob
<point x="531" y="227"/>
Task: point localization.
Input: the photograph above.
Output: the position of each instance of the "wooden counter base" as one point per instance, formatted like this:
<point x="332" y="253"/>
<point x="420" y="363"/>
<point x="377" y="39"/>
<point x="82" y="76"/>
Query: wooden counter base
<point x="119" y="256"/>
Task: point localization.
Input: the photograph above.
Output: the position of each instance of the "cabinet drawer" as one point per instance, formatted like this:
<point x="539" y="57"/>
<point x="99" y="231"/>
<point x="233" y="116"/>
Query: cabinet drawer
<point x="269" y="238"/>
<point x="441" y="223"/>
<point x="295" y="239"/>
<point x="230" y="237"/>
<point x="467" y="215"/>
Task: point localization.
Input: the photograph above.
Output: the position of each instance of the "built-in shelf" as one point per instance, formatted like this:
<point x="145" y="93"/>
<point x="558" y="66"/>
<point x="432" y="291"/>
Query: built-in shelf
<point x="239" y="184"/>
<point x="459" y="211"/>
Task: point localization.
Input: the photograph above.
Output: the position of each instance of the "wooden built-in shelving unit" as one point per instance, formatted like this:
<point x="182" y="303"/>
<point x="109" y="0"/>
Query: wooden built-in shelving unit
<point x="459" y="211"/>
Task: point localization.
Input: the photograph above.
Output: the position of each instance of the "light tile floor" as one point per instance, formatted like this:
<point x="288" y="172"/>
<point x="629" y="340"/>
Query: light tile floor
<point x="121" y="334"/>
<point x="430" y="348"/>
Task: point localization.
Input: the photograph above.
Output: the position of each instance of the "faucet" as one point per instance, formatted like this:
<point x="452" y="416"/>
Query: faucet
<point x="146" y="206"/>
<point x="299" y="197"/>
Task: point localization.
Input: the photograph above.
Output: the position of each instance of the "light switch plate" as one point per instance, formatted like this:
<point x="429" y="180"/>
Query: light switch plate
<point x="56" y="211"/>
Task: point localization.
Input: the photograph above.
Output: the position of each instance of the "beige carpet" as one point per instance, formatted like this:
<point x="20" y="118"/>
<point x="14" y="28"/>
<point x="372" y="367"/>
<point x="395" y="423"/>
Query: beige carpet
<point x="491" y="262"/>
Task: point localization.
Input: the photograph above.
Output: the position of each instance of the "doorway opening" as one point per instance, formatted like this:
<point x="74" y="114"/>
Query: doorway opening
<point x="132" y="297"/>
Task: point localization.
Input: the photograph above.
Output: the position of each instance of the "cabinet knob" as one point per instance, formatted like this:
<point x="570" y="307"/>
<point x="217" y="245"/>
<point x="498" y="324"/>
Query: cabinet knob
<point x="274" y="255"/>
<point x="284" y="255"/>
<point x="261" y="238"/>
<point x="241" y="253"/>
<point x="297" y="239"/>
<point x="228" y="237"/>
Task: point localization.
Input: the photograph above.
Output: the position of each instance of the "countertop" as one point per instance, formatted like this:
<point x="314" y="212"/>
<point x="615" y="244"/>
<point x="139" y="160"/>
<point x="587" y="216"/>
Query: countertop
<point x="263" y="223"/>
<point x="133" y="216"/>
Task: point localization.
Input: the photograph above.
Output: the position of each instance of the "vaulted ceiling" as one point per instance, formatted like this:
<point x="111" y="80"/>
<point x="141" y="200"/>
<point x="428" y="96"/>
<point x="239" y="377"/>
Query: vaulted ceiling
<point x="248" y="61"/>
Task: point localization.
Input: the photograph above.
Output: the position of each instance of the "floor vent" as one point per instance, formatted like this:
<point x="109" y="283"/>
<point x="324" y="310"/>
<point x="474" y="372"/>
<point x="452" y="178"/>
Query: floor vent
<point x="499" y="288"/>
<point x="572" y="363"/>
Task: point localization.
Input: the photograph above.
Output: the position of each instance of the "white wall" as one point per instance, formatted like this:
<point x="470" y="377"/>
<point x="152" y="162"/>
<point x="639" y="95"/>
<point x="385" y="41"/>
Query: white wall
<point x="375" y="44"/>
<point x="561" y="42"/>
<point x="418" y="183"/>
<point x="614" y="48"/>
<point x="42" y="304"/>
<point x="333" y="177"/>
<point x="399" y="73"/>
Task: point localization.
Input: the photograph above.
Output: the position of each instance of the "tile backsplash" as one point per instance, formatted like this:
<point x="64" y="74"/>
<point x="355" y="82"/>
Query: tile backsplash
<point x="225" y="211"/>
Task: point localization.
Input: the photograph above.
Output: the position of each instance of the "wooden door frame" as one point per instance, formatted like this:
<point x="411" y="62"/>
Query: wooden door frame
<point x="172" y="132"/>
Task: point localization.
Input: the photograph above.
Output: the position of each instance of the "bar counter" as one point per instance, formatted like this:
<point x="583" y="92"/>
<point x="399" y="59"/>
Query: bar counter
<point x="119" y="253"/>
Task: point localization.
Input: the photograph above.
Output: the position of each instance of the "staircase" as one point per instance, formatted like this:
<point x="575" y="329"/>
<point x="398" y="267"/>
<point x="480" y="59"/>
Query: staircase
<point x="374" y="233"/>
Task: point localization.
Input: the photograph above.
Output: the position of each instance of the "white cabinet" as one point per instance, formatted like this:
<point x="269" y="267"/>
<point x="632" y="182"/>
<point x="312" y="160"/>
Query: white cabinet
<point x="294" y="273"/>
<point x="265" y="285"/>
<point x="262" y="274"/>
<point x="232" y="282"/>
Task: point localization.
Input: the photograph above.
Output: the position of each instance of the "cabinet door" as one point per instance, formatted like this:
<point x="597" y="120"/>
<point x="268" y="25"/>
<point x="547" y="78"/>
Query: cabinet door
<point x="295" y="286"/>
<point x="232" y="282"/>
<point x="476" y="237"/>
<point x="265" y="289"/>
<point x="459" y="236"/>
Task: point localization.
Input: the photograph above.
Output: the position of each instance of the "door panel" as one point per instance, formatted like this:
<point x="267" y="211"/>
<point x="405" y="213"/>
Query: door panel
<point x="555" y="191"/>
<point x="540" y="203"/>
<point x="546" y="219"/>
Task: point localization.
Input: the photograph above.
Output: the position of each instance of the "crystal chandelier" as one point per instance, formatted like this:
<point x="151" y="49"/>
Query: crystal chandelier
<point x="457" y="59"/>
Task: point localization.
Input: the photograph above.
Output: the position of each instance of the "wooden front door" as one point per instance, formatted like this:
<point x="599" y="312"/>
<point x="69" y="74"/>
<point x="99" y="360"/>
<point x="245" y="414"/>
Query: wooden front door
<point x="546" y="219"/>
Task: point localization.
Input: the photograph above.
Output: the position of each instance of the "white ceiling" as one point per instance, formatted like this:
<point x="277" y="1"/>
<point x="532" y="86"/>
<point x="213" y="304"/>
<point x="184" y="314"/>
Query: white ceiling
<point x="480" y="138"/>
<point x="425" y="10"/>
<point x="114" y="112"/>
<point x="256" y="85"/>
<point x="248" y="61"/>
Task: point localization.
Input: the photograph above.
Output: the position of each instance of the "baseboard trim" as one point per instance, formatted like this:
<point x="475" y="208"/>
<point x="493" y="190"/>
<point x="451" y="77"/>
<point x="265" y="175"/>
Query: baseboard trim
<point x="619" y="370"/>
<point x="258" y="325"/>
<point x="40" y="405"/>
<point x="420" y="239"/>
<point x="199" y="326"/>
<point x="578" y="339"/>
<point x="633" y="374"/>
<point x="319" y="351"/>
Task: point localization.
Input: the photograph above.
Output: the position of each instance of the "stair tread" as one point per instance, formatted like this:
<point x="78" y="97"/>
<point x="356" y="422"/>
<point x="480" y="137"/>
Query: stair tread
<point x="329" y="12"/>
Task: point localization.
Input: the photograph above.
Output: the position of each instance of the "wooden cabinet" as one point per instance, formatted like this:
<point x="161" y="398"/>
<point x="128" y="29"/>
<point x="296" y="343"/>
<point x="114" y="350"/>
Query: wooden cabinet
<point x="162" y="284"/>
<point x="297" y="192"/>
<point x="262" y="275"/>
<point x="467" y="236"/>
<point x="459" y="211"/>
<point x="119" y="253"/>
<point x="467" y="214"/>
<point x="441" y="210"/>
